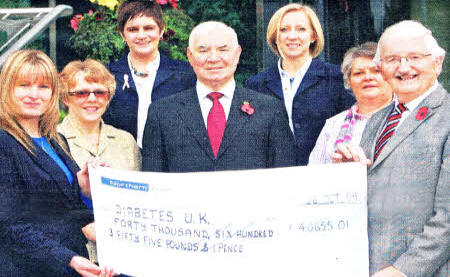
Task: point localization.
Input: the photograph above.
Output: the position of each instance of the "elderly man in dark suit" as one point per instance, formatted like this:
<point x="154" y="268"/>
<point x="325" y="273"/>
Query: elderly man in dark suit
<point x="408" y="147"/>
<point x="217" y="125"/>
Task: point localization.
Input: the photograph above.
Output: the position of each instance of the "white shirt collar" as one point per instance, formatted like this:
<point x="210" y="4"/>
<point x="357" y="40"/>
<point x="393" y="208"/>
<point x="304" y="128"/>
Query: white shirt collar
<point x="227" y="90"/>
<point x="411" y="105"/>
<point x="300" y="73"/>
<point x="290" y="86"/>
<point x="206" y="103"/>
<point x="144" y="88"/>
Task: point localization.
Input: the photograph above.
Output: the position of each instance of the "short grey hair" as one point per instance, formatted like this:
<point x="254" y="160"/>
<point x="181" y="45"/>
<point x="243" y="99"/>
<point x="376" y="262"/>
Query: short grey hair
<point x="367" y="50"/>
<point x="414" y="29"/>
<point x="207" y="26"/>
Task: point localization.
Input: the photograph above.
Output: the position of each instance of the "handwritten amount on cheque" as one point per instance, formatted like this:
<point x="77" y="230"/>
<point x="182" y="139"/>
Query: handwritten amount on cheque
<point x="189" y="231"/>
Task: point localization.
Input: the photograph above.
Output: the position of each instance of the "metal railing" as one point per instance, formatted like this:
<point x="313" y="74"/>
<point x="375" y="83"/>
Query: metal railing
<point x="23" y="25"/>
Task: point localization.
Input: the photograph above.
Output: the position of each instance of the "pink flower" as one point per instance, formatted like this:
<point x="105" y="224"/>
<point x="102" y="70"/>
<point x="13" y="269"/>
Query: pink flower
<point x="91" y="12"/>
<point x="74" y="21"/>
<point x="162" y="2"/>
<point x="174" y="3"/>
<point x="422" y="113"/>
<point x="247" y="108"/>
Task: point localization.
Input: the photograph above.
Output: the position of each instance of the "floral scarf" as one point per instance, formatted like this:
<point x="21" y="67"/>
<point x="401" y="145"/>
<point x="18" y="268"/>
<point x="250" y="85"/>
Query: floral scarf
<point x="346" y="132"/>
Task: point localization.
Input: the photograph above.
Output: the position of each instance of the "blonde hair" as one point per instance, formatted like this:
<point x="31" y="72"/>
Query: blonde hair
<point x="18" y="66"/>
<point x="94" y="72"/>
<point x="274" y="27"/>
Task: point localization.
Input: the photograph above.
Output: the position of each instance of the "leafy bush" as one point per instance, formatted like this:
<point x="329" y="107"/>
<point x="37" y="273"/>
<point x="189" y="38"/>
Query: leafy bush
<point x="176" y="36"/>
<point x="238" y="14"/>
<point x="12" y="4"/>
<point x="96" y="36"/>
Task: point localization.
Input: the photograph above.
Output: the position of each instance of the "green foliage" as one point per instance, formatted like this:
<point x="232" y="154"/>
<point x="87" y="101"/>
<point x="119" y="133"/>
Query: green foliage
<point x="12" y="4"/>
<point x="181" y="25"/>
<point x="3" y="37"/>
<point x="97" y="37"/>
<point x="39" y="42"/>
<point x="241" y="16"/>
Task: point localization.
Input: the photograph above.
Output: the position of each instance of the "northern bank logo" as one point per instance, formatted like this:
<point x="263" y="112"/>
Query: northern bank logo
<point x="125" y="184"/>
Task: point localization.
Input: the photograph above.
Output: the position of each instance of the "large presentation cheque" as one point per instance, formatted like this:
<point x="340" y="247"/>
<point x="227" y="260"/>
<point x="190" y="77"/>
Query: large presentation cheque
<point x="298" y="221"/>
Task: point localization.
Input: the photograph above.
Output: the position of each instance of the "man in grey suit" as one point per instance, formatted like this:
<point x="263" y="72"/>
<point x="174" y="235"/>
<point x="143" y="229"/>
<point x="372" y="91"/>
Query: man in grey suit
<point x="217" y="125"/>
<point x="409" y="153"/>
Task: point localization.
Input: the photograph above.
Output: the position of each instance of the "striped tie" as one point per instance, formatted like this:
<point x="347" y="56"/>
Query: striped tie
<point x="389" y="129"/>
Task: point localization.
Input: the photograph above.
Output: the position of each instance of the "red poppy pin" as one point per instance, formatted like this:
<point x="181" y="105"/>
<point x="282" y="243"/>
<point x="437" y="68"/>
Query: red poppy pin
<point x="247" y="108"/>
<point x="421" y="113"/>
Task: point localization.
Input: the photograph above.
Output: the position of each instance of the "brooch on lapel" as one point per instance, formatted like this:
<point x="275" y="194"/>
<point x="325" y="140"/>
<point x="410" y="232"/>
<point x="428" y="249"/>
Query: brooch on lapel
<point x="421" y="113"/>
<point x="247" y="108"/>
<point x="125" y="82"/>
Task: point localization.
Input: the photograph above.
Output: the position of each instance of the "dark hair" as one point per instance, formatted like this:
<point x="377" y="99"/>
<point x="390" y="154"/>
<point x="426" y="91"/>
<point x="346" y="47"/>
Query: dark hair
<point x="132" y="8"/>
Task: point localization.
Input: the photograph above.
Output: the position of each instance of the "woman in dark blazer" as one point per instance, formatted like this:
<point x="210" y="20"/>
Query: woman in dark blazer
<point x="312" y="90"/>
<point x="143" y="75"/>
<point x="41" y="211"/>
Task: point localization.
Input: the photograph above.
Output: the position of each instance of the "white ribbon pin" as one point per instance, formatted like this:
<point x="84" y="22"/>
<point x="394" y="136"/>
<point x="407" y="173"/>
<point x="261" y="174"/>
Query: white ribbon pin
<point x="125" y="82"/>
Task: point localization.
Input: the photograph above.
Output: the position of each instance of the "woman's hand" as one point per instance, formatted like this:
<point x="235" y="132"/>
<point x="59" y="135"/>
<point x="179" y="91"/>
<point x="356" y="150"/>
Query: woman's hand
<point x="88" y="269"/>
<point x="89" y="231"/>
<point x="83" y="174"/>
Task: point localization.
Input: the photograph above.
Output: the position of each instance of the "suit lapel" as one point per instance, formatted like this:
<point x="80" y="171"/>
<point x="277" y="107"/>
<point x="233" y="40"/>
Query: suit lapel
<point x="46" y="163"/>
<point x="161" y="76"/>
<point x="105" y="136"/>
<point x="273" y="82"/>
<point x="72" y="191"/>
<point x="236" y="118"/>
<point x="190" y="113"/>
<point x="124" y="69"/>
<point x="312" y="77"/>
<point x="411" y="123"/>
<point x="164" y="71"/>
<point x="373" y="130"/>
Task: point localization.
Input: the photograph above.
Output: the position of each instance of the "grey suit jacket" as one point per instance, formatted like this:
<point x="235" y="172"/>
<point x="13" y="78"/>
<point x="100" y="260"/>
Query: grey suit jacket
<point x="175" y="137"/>
<point x="409" y="190"/>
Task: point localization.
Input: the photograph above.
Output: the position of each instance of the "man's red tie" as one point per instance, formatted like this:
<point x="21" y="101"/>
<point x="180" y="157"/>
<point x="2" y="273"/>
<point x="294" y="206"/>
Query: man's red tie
<point x="216" y="122"/>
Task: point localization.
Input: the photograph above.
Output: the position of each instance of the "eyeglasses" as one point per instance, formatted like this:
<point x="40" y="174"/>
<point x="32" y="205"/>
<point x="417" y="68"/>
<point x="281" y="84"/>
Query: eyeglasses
<point x="86" y="93"/>
<point x="413" y="58"/>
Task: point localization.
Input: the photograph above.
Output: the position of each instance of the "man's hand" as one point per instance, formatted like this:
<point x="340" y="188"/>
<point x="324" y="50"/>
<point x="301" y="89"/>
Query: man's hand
<point x="349" y="153"/>
<point x="389" y="272"/>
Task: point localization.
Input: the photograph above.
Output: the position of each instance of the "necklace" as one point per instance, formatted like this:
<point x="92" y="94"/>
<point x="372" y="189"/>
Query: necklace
<point x="138" y="73"/>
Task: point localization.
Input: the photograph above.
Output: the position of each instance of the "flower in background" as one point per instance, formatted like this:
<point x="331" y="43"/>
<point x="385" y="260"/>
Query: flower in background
<point x="174" y="3"/>
<point x="168" y="33"/>
<point x="110" y="4"/>
<point x="74" y="21"/>
<point x="99" y="16"/>
<point x="95" y="35"/>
